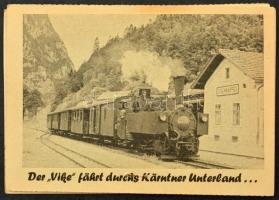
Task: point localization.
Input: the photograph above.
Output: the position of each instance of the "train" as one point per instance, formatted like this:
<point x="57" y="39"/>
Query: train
<point x="137" y="119"/>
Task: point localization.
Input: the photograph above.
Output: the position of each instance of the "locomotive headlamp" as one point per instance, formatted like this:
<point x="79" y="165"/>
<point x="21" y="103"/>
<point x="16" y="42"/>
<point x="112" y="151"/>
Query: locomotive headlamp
<point x="163" y="117"/>
<point x="204" y="118"/>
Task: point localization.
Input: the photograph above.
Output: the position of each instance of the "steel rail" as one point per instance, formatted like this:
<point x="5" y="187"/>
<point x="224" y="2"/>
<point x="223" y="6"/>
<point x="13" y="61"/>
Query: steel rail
<point x="43" y="141"/>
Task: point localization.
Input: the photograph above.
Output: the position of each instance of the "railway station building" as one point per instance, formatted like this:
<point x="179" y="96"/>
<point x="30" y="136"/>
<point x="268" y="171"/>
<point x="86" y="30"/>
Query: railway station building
<point x="233" y="84"/>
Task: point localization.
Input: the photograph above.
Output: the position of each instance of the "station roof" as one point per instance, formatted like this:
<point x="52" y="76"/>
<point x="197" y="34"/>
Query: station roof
<point x="250" y="63"/>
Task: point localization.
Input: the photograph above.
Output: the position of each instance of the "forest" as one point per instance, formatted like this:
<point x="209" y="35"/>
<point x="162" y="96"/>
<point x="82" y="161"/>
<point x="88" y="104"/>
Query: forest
<point x="191" y="39"/>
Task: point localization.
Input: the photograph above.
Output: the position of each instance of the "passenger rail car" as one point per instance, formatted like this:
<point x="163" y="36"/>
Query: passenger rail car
<point x="137" y="121"/>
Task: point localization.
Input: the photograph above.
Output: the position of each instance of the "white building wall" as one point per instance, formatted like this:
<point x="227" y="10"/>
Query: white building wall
<point x="226" y="137"/>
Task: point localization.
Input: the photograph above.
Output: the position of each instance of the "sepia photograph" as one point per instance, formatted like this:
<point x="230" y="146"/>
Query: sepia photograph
<point x="140" y="99"/>
<point x="143" y="91"/>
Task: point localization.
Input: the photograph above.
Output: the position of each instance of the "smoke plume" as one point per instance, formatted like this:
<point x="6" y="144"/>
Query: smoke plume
<point x="157" y="69"/>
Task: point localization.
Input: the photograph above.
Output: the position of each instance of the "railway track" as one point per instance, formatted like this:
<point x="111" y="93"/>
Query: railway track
<point x="130" y="152"/>
<point x="196" y="163"/>
<point x="77" y="158"/>
<point x="84" y="161"/>
<point x="73" y="158"/>
<point x="133" y="153"/>
<point x="204" y="164"/>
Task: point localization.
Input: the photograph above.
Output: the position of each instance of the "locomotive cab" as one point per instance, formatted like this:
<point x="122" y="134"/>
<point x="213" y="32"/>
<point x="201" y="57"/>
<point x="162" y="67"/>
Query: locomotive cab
<point x="141" y="99"/>
<point x="143" y="92"/>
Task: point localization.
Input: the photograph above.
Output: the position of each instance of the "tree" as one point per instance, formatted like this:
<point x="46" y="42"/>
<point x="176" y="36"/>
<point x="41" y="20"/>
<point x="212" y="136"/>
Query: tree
<point x="74" y="82"/>
<point x="26" y="93"/>
<point x="96" y="45"/>
<point x="62" y="90"/>
<point x="190" y="38"/>
<point x="32" y="100"/>
<point x="130" y="30"/>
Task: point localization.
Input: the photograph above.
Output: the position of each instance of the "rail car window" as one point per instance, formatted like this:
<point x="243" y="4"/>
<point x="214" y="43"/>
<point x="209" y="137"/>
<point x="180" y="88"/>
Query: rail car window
<point x="218" y="113"/>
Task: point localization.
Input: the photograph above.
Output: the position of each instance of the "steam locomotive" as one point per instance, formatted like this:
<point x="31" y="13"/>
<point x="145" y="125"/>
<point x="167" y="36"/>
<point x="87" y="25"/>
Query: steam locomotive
<point x="165" y="126"/>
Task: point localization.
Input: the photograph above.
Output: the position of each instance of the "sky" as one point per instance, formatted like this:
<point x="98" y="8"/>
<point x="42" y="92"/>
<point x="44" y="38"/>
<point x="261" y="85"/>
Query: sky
<point x="78" y="32"/>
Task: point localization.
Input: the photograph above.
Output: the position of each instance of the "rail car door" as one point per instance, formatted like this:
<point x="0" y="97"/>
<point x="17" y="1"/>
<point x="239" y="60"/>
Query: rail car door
<point x="107" y="120"/>
<point x="92" y="121"/>
<point x="121" y="131"/>
<point x="59" y="120"/>
<point x="121" y="120"/>
<point x="69" y="120"/>
<point x="85" y="121"/>
<point x="98" y="120"/>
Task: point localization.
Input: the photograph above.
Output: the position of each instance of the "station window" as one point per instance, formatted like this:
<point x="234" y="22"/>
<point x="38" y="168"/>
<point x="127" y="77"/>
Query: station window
<point x="218" y="112"/>
<point x="216" y="137"/>
<point x="234" y="138"/>
<point x="80" y="115"/>
<point x="236" y="114"/>
<point x="227" y="73"/>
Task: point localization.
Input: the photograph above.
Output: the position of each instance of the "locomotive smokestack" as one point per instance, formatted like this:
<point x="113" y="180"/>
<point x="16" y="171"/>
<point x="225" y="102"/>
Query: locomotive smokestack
<point x="179" y="82"/>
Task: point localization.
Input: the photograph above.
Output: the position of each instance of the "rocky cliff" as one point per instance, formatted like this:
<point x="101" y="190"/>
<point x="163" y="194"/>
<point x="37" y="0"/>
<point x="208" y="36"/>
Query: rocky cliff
<point x="45" y="58"/>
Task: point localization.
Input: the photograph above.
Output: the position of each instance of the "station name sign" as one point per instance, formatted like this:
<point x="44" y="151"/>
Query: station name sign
<point x="227" y="90"/>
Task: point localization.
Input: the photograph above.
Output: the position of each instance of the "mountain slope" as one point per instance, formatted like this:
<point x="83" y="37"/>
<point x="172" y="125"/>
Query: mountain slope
<point x="45" y="60"/>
